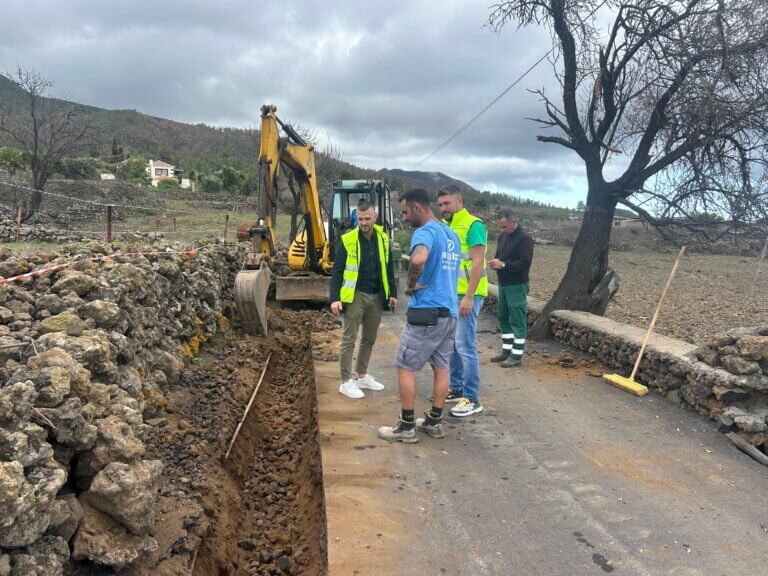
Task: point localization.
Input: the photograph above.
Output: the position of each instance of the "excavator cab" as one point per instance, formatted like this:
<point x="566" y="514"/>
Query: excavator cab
<point x="347" y="194"/>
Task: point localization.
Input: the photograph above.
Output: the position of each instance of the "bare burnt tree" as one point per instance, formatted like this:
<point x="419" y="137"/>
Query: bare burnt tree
<point x="46" y="130"/>
<point x="671" y="96"/>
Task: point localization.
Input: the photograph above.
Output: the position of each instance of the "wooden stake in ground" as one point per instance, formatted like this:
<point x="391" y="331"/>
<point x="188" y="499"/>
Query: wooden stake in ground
<point x="629" y="384"/>
<point x="18" y="225"/>
<point x="247" y="408"/>
<point x="226" y="226"/>
<point x="109" y="224"/>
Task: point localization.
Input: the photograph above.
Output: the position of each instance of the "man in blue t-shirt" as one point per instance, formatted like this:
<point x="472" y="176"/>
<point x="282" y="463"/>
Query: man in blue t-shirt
<point x="429" y="333"/>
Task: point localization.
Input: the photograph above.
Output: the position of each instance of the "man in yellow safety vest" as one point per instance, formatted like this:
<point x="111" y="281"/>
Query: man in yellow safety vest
<point x="471" y="292"/>
<point x="362" y="285"/>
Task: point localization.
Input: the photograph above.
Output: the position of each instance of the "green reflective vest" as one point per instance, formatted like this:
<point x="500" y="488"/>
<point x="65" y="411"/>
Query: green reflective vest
<point x="460" y="223"/>
<point x="351" y="241"/>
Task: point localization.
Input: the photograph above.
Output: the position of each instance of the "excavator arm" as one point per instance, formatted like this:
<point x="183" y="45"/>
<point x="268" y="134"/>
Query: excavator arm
<point x="299" y="157"/>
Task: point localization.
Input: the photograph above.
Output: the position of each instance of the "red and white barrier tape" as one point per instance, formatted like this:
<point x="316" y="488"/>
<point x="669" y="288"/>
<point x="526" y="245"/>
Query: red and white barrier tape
<point x="39" y="272"/>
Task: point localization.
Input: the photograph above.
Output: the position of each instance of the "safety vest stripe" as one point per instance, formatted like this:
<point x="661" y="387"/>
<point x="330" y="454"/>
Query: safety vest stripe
<point x="351" y="268"/>
<point x="349" y="284"/>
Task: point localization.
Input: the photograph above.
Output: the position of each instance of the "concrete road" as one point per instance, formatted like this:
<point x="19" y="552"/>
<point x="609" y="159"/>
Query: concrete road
<point x="561" y="475"/>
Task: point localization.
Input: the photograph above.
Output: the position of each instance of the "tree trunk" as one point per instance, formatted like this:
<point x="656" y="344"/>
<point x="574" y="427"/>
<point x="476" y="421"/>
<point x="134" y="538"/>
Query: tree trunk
<point x="585" y="286"/>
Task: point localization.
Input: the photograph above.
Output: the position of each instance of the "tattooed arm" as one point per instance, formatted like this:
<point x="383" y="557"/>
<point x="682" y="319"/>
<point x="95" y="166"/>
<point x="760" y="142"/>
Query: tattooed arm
<point x="419" y="257"/>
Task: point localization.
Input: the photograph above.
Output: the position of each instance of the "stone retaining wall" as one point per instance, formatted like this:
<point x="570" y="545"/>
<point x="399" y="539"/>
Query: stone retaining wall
<point x="726" y="380"/>
<point x="738" y="402"/>
<point x="99" y="345"/>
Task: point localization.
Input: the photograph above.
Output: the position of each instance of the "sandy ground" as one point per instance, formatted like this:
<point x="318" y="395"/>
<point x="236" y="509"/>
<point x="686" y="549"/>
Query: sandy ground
<point x="710" y="294"/>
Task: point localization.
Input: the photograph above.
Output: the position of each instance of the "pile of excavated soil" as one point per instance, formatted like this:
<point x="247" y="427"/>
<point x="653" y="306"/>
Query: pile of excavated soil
<point x="262" y="510"/>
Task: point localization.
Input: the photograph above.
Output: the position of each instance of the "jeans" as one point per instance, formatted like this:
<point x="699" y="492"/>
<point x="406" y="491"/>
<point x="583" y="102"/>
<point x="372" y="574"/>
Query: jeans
<point x="465" y="362"/>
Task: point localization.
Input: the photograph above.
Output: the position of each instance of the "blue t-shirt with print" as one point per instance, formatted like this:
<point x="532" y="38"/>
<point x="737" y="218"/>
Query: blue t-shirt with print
<point x="441" y="270"/>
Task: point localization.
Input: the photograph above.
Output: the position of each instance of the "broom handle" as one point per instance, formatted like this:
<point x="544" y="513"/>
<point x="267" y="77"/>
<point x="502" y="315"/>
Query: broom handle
<point x="656" y="314"/>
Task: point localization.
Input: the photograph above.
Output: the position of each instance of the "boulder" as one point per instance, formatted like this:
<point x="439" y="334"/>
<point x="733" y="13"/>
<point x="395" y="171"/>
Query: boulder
<point x="30" y="524"/>
<point x="103" y="540"/>
<point x="46" y="557"/>
<point x="51" y="303"/>
<point x="115" y="442"/>
<point x="25" y="443"/>
<point x="128" y="492"/>
<point x="15" y="493"/>
<point x="67" y="425"/>
<point x="65" y="516"/>
<point x="79" y="377"/>
<point x="738" y="365"/>
<point x="74" y="281"/>
<point x="5" y="565"/>
<point x="753" y="347"/>
<point x="92" y="349"/>
<point x="105" y="314"/>
<point x="53" y="385"/>
<point x="17" y="400"/>
<point x="67" y="322"/>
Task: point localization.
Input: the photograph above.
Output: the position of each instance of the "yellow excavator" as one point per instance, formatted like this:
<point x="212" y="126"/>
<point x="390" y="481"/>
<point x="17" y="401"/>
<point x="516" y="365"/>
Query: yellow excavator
<point x="312" y="249"/>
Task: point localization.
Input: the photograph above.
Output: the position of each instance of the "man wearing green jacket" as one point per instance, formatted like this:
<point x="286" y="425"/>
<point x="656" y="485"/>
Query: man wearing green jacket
<point x="362" y="285"/>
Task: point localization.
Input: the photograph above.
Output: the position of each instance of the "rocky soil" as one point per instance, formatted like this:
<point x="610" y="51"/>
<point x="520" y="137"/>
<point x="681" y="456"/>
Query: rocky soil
<point x="710" y="295"/>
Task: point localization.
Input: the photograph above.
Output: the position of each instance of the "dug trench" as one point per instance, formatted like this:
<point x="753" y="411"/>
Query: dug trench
<point x="262" y="510"/>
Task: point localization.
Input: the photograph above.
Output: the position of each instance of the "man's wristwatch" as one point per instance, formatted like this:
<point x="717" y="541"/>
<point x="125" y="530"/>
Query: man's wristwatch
<point x="503" y="264"/>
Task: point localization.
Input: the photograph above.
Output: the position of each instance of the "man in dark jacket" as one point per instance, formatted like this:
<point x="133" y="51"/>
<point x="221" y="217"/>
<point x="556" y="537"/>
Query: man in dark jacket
<point x="512" y="261"/>
<point x="363" y="284"/>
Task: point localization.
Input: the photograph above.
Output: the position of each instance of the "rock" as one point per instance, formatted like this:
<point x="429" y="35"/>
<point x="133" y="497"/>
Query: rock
<point x="17" y="400"/>
<point x="753" y="347"/>
<point x="5" y="315"/>
<point x="46" y="557"/>
<point x="80" y="378"/>
<point x="52" y="303"/>
<point x="729" y="395"/>
<point x="103" y="540"/>
<point x="127" y="492"/>
<point x="115" y="442"/>
<point x="751" y="423"/>
<point x="66" y="322"/>
<point x="67" y="425"/>
<point x="738" y="365"/>
<point x="65" y="516"/>
<point x="24" y="442"/>
<point x="53" y="385"/>
<point x="708" y="356"/>
<point x="15" y="493"/>
<point x="725" y="424"/>
<point x="74" y="281"/>
<point x="105" y="314"/>
<point x="31" y="523"/>
<point x="92" y="349"/>
<point x="5" y="565"/>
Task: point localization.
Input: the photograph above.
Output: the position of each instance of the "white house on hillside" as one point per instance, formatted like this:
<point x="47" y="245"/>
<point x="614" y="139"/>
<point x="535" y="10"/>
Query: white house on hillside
<point x="159" y="170"/>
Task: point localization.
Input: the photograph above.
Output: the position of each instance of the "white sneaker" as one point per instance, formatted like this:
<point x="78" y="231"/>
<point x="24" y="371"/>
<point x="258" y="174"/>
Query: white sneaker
<point x="369" y="383"/>
<point x="351" y="389"/>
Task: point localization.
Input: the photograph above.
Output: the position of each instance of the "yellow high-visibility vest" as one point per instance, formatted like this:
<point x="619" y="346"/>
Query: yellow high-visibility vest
<point x="351" y="241"/>
<point x="460" y="223"/>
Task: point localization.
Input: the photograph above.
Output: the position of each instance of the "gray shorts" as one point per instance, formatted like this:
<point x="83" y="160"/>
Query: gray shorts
<point x="422" y="344"/>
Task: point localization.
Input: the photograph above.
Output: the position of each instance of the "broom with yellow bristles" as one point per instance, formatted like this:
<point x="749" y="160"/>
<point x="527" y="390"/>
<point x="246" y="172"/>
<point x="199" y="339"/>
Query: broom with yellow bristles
<point x="629" y="384"/>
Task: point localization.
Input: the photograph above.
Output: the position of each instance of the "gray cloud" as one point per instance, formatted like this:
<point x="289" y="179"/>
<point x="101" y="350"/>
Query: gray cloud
<point x="385" y="81"/>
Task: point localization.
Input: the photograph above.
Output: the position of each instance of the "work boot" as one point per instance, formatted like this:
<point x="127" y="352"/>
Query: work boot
<point x="511" y="363"/>
<point x="500" y="357"/>
<point x="399" y="433"/>
<point x="431" y="426"/>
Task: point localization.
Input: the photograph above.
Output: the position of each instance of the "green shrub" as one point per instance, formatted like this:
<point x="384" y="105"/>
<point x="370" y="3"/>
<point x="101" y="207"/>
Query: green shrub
<point x="211" y="184"/>
<point x="168" y="184"/>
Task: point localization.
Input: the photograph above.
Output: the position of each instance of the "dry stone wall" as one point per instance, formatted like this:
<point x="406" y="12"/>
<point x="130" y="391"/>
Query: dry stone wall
<point x="85" y="356"/>
<point x="726" y="380"/>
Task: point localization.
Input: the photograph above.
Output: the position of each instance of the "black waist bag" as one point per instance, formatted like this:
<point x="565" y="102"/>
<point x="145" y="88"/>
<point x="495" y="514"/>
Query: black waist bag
<point x="422" y="316"/>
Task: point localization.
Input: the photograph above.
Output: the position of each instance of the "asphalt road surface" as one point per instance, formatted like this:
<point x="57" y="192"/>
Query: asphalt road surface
<point x="562" y="474"/>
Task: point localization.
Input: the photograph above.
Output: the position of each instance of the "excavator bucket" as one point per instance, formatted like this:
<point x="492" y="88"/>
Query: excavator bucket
<point x="309" y="288"/>
<point x="251" y="287"/>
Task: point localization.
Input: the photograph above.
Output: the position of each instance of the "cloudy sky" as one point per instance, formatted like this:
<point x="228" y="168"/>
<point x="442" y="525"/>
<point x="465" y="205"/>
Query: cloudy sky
<point x="386" y="82"/>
